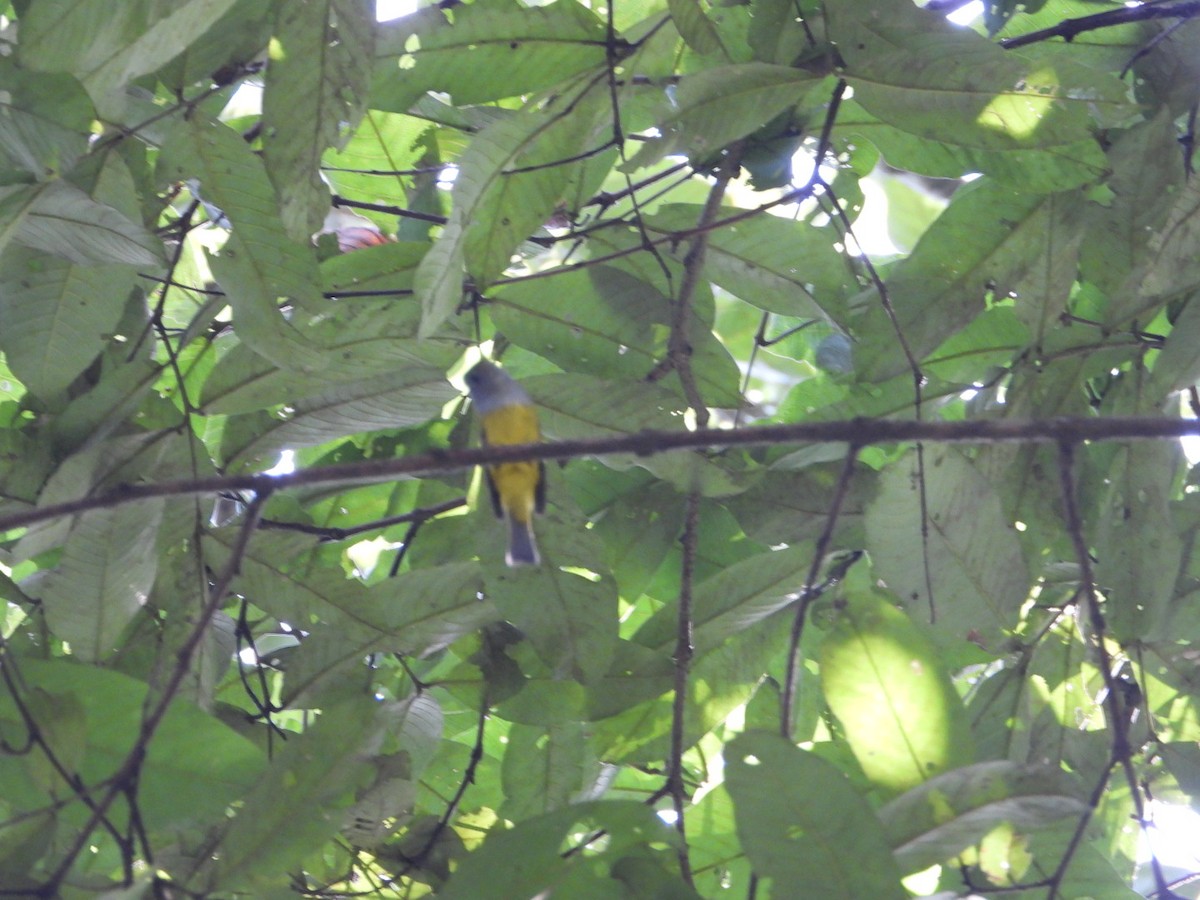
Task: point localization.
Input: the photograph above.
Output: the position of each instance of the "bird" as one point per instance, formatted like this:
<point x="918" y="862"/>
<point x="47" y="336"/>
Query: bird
<point x="518" y="489"/>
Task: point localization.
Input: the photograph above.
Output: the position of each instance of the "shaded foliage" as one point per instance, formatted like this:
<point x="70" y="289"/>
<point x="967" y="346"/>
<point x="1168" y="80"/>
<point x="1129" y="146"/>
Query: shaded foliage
<point x="235" y="229"/>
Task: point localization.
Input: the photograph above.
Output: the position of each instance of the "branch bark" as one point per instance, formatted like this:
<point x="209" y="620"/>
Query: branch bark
<point x="861" y="432"/>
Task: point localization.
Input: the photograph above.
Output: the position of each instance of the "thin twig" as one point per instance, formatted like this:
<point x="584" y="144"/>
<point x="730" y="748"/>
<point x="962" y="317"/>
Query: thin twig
<point x="679" y="345"/>
<point x="468" y="779"/>
<point x="1118" y="722"/>
<point x="787" y="701"/>
<point x="330" y="533"/>
<point x="684" y="648"/>
<point x="1069" y="28"/>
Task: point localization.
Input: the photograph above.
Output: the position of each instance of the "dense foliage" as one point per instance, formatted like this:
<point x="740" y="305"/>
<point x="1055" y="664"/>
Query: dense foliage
<point x="237" y="228"/>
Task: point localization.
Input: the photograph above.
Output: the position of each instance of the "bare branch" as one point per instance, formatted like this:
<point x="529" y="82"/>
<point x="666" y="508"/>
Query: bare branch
<point x="862" y="432"/>
<point x="1069" y="28"/>
<point x="683" y="660"/>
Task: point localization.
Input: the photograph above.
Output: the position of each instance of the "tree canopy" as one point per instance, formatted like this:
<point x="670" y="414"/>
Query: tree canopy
<point x="861" y="342"/>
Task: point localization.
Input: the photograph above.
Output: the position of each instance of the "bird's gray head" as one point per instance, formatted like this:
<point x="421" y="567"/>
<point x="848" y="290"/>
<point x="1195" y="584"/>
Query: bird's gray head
<point x="492" y="388"/>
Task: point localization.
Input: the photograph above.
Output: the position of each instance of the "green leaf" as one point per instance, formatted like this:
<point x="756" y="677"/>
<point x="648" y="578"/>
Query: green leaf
<point x="107" y="46"/>
<point x="194" y="767"/>
<point x="103" y="578"/>
<point x="361" y="164"/>
<point x="786" y="507"/>
<point x="44" y="120"/>
<point x="939" y="819"/>
<point x="314" y="96"/>
<point x="443" y="602"/>
<point x="1119" y="231"/>
<point x="922" y="74"/>
<point x="56" y="316"/>
<point x="570" y="617"/>
<point x="1138" y="552"/>
<point x="734" y="599"/>
<point x="318" y="770"/>
<point x="367" y="340"/>
<point x="523" y="49"/>
<point x="253" y="281"/>
<point x="695" y="27"/>
<point x="543" y="768"/>
<point x="976" y="572"/>
<point x="389" y="800"/>
<point x="885" y="682"/>
<point x="513" y="173"/>
<point x="536" y="843"/>
<point x="62" y="727"/>
<point x="572" y="406"/>
<point x="406" y="397"/>
<point x="78" y="37"/>
<point x="1030" y="169"/>
<point x="15" y="203"/>
<point x="612" y="326"/>
<point x="64" y="221"/>
<point x="639" y="531"/>
<point x="715" y="107"/>
<point x="439" y="279"/>
<point x="964" y="256"/>
<point x="233" y="179"/>
<point x="510" y="178"/>
<point x="1167" y="267"/>
<point x="235" y="38"/>
<point x="779" y="265"/>
<point x="803" y="826"/>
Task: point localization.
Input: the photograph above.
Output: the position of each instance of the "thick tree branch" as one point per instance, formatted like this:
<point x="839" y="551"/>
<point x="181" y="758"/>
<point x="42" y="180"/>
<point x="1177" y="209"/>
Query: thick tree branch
<point x="862" y="432"/>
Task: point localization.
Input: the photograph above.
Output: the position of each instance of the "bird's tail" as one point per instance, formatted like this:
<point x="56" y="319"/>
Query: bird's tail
<point x="522" y="548"/>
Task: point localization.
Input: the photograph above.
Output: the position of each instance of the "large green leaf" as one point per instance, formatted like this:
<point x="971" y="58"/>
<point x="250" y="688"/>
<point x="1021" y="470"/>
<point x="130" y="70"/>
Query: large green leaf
<point x="107" y="46"/>
<point x="884" y="680"/>
<point x="715" y="107"/>
<point x="949" y="813"/>
<point x="1138" y="551"/>
<point x="965" y="256"/>
<point x="544" y="769"/>
<point x="319" y="769"/>
<point x="964" y="552"/>
<point x="510" y="178"/>
<point x="194" y="767"/>
<point x="259" y="264"/>
<point x="569" y="616"/>
<point x="782" y="266"/>
<point x="523" y="49"/>
<point x="57" y="317"/>
<point x="1034" y="169"/>
<point x="537" y="842"/>
<point x="103" y="578"/>
<point x="315" y="94"/>
<point x="611" y="325"/>
<point x="803" y="825"/>
<point x="45" y="120"/>
<point x="363" y="163"/>
<point x="918" y="72"/>
<point x="405" y="397"/>
<point x="66" y="222"/>
<point x="1120" y="228"/>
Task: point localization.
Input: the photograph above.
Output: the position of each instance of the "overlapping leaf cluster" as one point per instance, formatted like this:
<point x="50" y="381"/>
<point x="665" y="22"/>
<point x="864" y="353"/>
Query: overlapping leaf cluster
<point x="341" y="691"/>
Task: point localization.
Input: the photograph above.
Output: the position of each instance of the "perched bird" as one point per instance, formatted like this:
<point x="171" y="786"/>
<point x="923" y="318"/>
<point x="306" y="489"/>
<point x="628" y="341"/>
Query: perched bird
<point x="518" y="489"/>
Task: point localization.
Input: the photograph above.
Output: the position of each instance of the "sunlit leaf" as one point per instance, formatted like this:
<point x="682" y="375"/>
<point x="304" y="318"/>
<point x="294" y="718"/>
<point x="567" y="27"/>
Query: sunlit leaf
<point x="885" y="682"/>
